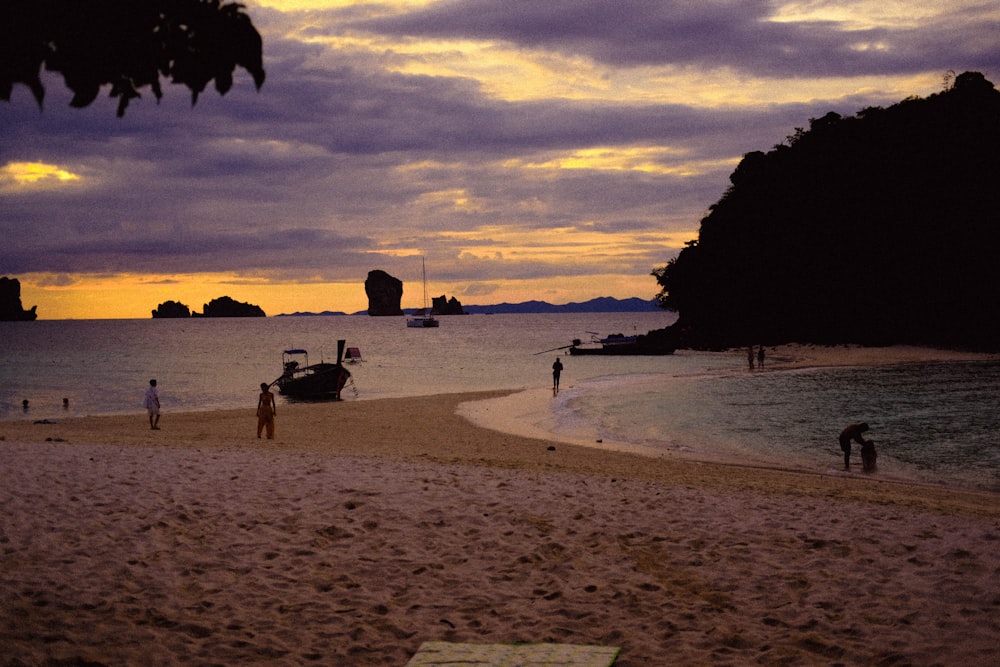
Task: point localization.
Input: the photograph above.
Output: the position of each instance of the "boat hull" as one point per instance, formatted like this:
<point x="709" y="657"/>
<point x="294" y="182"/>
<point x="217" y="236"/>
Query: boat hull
<point x="622" y="350"/>
<point x="316" y="381"/>
<point x="654" y="343"/>
<point x="422" y="323"/>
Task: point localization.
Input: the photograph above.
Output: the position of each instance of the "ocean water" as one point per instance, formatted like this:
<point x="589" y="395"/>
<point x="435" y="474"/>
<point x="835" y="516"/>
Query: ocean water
<point x="935" y="423"/>
<point x="103" y="366"/>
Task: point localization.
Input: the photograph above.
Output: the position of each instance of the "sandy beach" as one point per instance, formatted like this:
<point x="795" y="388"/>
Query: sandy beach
<point x="369" y="527"/>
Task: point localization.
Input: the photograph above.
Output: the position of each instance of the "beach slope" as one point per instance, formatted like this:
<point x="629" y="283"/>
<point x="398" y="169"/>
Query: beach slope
<point x="367" y="528"/>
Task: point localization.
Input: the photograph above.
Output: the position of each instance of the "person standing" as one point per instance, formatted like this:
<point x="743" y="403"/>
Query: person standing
<point x="760" y="357"/>
<point x="266" y="411"/>
<point x="750" y="357"/>
<point x="556" y="371"/>
<point x="852" y="432"/>
<point x="153" y="406"/>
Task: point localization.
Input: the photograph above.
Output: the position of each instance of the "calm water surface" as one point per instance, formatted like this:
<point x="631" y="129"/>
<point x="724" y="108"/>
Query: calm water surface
<point x="935" y="423"/>
<point x="103" y="366"/>
<point x="932" y="422"/>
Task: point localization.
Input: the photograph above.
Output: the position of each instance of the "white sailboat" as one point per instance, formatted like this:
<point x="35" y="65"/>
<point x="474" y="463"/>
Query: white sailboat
<point x="425" y="318"/>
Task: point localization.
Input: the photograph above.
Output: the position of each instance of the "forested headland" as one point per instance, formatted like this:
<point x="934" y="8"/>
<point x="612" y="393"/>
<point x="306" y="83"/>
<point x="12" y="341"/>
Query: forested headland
<point x="879" y="228"/>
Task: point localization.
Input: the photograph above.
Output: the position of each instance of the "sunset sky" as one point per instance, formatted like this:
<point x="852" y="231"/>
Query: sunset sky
<point x="555" y="150"/>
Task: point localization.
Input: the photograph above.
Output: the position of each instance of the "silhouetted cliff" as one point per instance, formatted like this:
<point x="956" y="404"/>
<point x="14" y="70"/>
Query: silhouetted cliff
<point x="10" y="302"/>
<point x="878" y="228"/>
<point x="385" y="293"/>
<point x="442" y="305"/>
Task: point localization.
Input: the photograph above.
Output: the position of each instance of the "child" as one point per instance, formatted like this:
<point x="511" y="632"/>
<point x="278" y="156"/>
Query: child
<point x="868" y="456"/>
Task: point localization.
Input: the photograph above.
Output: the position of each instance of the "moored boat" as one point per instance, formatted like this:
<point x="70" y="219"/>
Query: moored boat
<point x="620" y="344"/>
<point x="423" y="318"/>
<point x="300" y="379"/>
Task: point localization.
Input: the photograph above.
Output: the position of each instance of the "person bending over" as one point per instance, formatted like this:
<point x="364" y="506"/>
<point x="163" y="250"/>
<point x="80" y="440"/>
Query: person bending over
<point x="852" y="432"/>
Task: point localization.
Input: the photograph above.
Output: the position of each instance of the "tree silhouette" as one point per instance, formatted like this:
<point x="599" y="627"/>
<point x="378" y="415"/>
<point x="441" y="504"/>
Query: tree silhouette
<point x="128" y="44"/>
<point x="878" y="228"/>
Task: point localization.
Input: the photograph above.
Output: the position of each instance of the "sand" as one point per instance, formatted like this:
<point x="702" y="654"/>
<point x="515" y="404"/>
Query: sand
<point x="369" y="527"/>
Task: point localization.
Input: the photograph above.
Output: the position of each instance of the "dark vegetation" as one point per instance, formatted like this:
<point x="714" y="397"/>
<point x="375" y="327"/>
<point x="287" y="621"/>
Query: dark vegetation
<point x="127" y="44"/>
<point x="881" y="228"/>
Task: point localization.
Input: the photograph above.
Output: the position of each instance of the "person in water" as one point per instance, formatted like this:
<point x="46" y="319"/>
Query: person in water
<point x="853" y="432"/>
<point x="265" y="411"/>
<point x="556" y="371"/>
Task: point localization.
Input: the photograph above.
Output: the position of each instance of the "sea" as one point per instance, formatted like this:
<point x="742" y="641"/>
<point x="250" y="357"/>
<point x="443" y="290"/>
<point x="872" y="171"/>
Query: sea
<point x="934" y="423"/>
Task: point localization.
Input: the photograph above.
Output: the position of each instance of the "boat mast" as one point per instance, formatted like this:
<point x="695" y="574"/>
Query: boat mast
<point x="423" y="269"/>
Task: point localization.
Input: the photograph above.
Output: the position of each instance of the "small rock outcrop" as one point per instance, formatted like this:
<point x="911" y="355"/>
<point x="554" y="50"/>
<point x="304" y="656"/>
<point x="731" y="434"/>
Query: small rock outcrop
<point x="10" y="302"/>
<point x="385" y="294"/>
<point x="442" y="305"/>
<point x="225" y="306"/>
<point x="171" y="309"/>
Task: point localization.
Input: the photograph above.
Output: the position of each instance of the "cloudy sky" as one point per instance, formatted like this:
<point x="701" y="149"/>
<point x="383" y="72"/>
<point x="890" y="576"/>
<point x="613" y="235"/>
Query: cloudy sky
<point x="555" y="150"/>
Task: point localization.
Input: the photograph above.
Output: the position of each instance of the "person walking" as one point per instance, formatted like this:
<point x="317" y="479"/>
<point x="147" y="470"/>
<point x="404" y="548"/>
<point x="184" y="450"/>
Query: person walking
<point x="266" y="411"/>
<point x="153" y="406"/>
<point x="556" y="371"/>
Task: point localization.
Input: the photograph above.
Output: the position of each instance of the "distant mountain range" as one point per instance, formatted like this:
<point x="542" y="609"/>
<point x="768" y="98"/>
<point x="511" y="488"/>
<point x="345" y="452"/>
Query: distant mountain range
<point x="603" y="304"/>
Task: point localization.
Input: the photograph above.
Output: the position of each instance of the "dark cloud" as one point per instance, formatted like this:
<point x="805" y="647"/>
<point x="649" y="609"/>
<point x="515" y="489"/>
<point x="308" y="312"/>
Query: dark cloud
<point x="740" y="36"/>
<point x="341" y="161"/>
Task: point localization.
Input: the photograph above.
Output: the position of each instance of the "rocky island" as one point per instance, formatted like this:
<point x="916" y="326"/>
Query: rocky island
<point x="385" y="297"/>
<point x="224" y="306"/>
<point x="169" y="309"/>
<point x="10" y="302"/>
<point x="442" y="305"/>
<point x="385" y="294"/>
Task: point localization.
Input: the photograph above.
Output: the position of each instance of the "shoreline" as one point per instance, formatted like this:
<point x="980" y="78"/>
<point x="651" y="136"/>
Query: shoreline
<point x="511" y="415"/>
<point x="530" y="412"/>
<point x="435" y="429"/>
